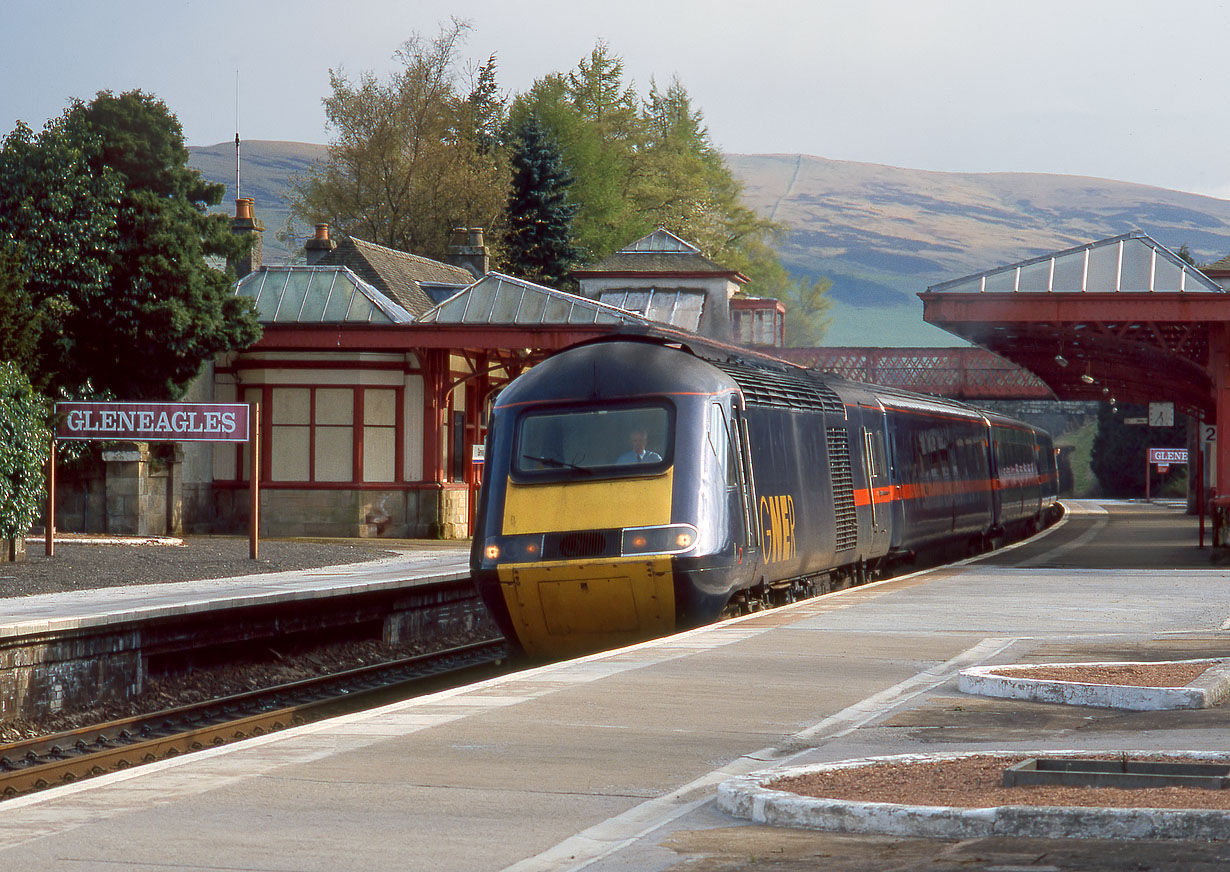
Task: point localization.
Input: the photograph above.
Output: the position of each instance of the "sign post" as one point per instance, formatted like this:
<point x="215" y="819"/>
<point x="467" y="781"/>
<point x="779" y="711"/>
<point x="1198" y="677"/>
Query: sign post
<point x="150" y="422"/>
<point x="49" y="544"/>
<point x="1162" y="458"/>
<point x="254" y="487"/>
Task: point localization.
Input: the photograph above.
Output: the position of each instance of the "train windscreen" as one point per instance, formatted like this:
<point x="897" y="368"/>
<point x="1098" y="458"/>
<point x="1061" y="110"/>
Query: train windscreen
<point x="588" y="442"/>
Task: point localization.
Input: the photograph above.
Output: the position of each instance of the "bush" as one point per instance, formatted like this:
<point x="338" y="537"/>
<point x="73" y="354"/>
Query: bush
<point x="23" y="452"/>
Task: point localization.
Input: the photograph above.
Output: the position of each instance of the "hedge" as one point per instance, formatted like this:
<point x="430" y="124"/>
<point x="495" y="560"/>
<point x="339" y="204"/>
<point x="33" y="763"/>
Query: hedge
<point x="24" y="440"/>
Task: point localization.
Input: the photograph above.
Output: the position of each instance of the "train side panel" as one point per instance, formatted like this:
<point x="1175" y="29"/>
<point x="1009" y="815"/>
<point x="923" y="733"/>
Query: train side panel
<point x="942" y="476"/>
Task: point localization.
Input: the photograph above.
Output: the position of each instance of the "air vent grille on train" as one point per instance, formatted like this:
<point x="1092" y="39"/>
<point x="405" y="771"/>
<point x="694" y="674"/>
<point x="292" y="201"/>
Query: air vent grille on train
<point x="786" y="390"/>
<point x="845" y="521"/>
<point x="581" y="544"/>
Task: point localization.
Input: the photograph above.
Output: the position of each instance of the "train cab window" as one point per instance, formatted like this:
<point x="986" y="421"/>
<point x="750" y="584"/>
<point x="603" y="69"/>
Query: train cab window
<point x="607" y="442"/>
<point x="724" y="448"/>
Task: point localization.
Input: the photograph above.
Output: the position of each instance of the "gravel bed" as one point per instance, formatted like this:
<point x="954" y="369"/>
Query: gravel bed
<point x="977" y="782"/>
<point x="1161" y="674"/>
<point x="78" y="566"/>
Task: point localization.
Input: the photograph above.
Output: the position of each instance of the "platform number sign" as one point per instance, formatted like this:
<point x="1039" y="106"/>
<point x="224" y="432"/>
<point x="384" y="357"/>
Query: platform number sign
<point x="1208" y="433"/>
<point x="1161" y="414"/>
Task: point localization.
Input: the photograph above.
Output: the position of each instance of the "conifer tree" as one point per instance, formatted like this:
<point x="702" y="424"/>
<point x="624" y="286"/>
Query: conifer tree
<point x="538" y="242"/>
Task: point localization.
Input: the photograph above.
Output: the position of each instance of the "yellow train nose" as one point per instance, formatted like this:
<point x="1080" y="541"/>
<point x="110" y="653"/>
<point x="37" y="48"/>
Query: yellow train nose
<point x="573" y="608"/>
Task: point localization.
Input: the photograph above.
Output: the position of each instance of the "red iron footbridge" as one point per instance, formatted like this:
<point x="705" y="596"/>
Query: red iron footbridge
<point x="957" y="373"/>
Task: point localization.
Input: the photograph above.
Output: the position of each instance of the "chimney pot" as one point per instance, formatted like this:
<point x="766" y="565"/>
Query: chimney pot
<point x="243" y="208"/>
<point x="476" y="237"/>
<point x="322" y="232"/>
<point x="459" y="236"/>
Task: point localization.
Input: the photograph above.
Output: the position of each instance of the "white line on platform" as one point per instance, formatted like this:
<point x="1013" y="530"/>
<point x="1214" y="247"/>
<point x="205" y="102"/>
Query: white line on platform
<point x="617" y="833"/>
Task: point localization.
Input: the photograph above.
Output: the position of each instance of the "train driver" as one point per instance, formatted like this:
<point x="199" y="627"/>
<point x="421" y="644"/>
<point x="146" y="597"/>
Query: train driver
<point x="639" y="453"/>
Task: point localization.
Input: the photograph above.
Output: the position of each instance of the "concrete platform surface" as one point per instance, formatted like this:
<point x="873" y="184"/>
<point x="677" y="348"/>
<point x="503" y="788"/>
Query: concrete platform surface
<point x="611" y="762"/>
<point x="107" y="605"/>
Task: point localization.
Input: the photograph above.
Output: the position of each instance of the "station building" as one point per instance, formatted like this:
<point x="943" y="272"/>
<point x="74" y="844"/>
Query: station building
<point x="377" y="368"/>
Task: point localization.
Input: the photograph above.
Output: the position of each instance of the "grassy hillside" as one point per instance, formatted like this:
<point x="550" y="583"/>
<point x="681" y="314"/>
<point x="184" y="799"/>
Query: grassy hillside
<point x="881" y="233"/>
<point x="268" y="168"/>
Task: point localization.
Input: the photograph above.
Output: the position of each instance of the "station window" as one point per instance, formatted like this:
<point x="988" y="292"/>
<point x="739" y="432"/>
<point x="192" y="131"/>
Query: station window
<point x="317" y="433"/>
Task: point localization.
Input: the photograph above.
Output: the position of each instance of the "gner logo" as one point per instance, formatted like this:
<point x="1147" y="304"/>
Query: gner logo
<point x="777" y="522"/>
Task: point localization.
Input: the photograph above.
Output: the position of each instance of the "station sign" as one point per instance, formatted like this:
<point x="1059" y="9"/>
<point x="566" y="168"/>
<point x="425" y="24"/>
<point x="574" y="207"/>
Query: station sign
<point x="1167" y="456"/>
<point x="153" y="422"/>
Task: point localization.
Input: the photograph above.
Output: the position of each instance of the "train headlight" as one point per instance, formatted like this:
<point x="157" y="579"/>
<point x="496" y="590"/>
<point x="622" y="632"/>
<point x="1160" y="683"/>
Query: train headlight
<point x="668" y="539"/>
<point x="514" y="549"/>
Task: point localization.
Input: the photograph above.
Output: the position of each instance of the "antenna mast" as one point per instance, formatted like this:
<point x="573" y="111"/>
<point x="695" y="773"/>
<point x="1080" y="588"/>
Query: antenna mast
<point x="237" y="191"/>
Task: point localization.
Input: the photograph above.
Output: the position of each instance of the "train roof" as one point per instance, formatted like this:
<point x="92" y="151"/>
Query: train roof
<point x="770" y="381"/>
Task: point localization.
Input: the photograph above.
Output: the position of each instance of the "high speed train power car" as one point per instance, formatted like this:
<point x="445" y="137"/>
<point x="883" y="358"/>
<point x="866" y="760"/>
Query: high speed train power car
<point x="635" y="487"/>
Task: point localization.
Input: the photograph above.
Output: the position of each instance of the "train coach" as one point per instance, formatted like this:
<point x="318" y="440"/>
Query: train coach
<point x="635" y="487"/>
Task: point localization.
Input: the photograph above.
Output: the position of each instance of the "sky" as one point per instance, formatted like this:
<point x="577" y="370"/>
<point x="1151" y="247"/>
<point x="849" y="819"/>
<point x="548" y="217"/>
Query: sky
<point x="1117" y="90"/>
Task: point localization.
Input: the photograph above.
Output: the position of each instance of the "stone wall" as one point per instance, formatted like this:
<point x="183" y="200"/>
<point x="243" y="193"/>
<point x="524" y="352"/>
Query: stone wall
<point x="39" y="677"/>
<point x="132" y="491"/>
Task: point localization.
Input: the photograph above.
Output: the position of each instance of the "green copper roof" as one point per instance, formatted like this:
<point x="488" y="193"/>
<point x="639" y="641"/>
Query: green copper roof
<point x="317" y="294"/>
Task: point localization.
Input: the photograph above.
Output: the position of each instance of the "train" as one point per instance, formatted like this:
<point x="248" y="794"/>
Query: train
<point x="638" y="486"/>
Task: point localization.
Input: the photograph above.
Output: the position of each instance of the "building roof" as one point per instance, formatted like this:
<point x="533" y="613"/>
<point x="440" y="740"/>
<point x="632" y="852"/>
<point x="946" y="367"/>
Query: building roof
<point x="497" y="299"/>
<point x="679" y="307"/>
<point x="1122" y="264"/>
<point x="399" y="275"/>
<point x="317" y="295"/>
<point x="661" y="252"/>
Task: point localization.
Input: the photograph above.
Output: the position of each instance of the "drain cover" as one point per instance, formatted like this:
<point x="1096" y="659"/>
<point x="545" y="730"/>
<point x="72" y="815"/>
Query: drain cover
<point x="1129" y="774"/>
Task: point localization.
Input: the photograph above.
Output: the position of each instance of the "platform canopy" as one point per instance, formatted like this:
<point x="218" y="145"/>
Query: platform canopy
<point x="1121" y="319"/>
<point x="504" y="301"/>
<point x="320" y="295"/>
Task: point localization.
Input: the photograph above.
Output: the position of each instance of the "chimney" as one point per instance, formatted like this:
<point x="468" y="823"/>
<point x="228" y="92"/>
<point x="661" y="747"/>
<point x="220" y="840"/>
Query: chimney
<point x="244" y="223"/>
<point x="319" y="245"/>
<point x="467" y="250"/>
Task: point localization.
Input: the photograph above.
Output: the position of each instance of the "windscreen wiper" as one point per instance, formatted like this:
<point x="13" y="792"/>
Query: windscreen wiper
<point x="557" y="463"/>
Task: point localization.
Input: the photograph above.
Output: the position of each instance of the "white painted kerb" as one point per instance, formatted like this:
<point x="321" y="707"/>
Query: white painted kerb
<point x="748" y="797"/>
<point x="1208" y="690"/>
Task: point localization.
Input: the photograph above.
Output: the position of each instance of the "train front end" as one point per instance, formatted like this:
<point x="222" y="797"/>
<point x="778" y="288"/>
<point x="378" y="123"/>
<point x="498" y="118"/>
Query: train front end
<point x="583" y="518"/>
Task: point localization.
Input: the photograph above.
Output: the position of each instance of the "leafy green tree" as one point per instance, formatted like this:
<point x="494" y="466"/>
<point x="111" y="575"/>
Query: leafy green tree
<point x="1120" y="450"/>
<point x="61" y="203"/>
<point x="167" y="309"/>
<point x="23" y="452"/>
<point x="485" y="111"/>
<point x="21" y="324"/>
<point x="807" y="310"/>
<point x="600" y="164"/>
<point x="114" y="239"/>
<point x="410" y="157"/>
<point x="639" y="165"/>
<point x="538" y="242"/>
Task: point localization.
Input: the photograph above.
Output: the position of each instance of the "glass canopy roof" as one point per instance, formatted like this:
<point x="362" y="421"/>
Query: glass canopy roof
<point x="317" y="294"/>
<point x="1131" y="263"/>
<point x="498" y="299"/>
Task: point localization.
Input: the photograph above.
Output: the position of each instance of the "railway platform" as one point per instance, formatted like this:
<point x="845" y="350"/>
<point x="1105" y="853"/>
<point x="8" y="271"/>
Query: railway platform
<point x="611" y="762"/>
<point x="102" y="606"/>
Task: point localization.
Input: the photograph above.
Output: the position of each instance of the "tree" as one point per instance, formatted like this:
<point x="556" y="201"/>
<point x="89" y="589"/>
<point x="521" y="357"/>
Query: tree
<point x="411" y="158"/>
<point x="113" y="244"/>
<point x="23" y="452"/>
<point x="807" y="310"/>
<point x="1120" y="450"/>
<point x="167" y="310"/>
<point x="538" y="242"/>
<point x="58" y="209"/>
<point x="639" y="165"/>
<point x="21" y="324"/>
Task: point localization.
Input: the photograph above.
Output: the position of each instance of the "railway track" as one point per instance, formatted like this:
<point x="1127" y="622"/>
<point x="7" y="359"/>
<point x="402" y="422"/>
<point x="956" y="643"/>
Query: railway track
<point x="36" y="764"/>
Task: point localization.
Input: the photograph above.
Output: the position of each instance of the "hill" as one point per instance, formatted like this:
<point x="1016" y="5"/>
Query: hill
<point x="881" y="233"/>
